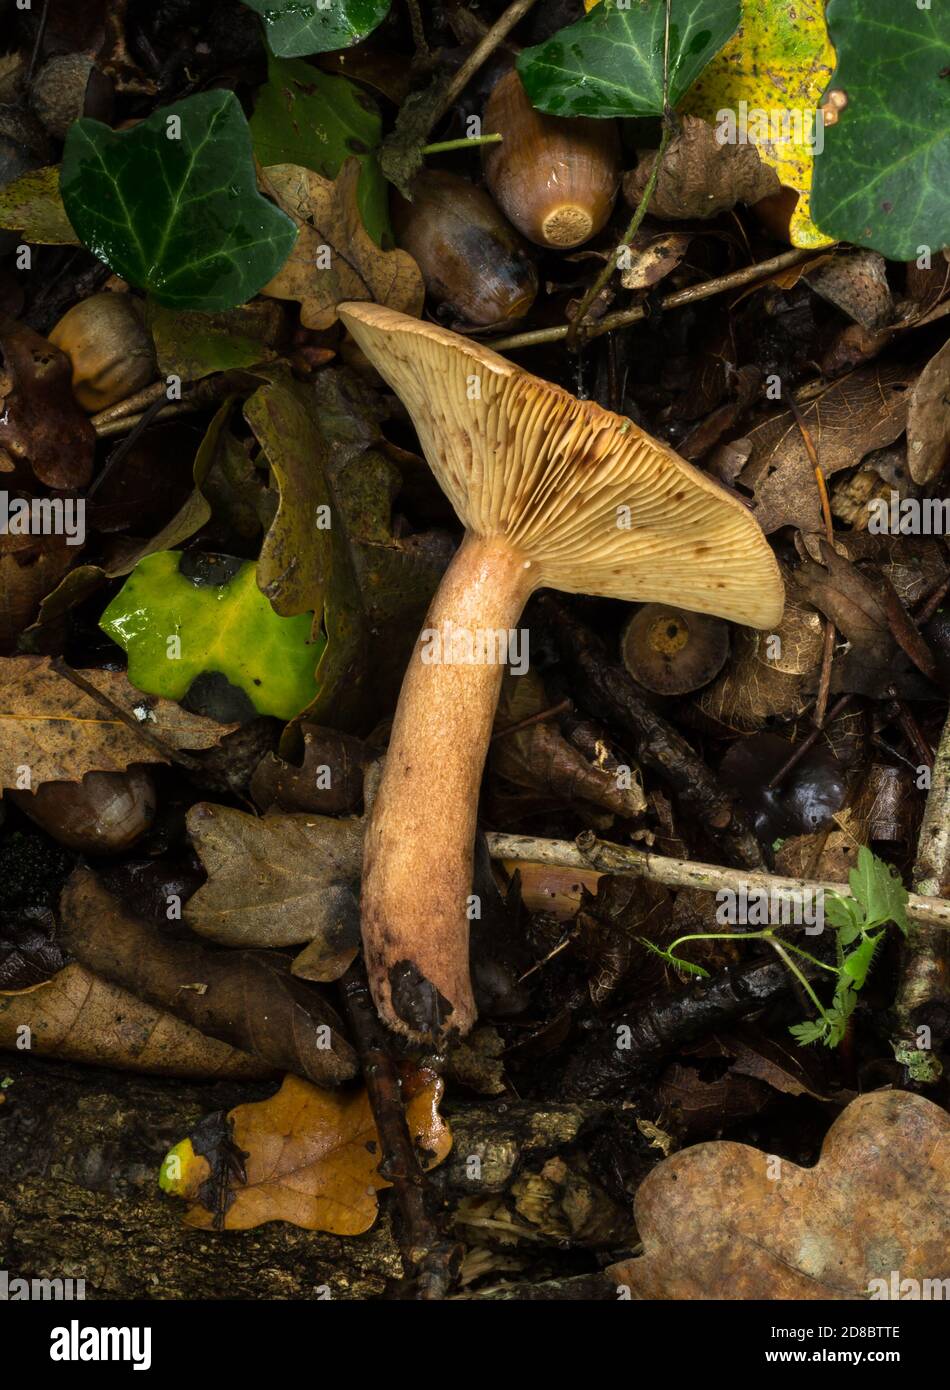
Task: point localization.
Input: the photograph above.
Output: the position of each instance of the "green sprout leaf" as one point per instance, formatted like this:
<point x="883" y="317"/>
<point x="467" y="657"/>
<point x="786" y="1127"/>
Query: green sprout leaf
<point x="172" y="205"/>
<point x="610" y="63"/>
<point x="211" y="621"/>
<point x="687" y="967"/>
<point x="879" y="890"/>
<point x="315" y="119"/>
<point x="882" y="178"/>
<point x="295" y="28"/>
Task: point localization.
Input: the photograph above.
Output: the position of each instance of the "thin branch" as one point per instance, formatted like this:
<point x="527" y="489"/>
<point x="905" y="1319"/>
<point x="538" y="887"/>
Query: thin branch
<point x="483" y="50"/>
<point x="736" y="279"/>
<point x="587" y="852"/>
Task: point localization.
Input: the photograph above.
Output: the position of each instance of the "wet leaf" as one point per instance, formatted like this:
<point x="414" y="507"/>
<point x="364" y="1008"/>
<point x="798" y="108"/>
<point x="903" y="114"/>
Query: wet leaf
<point x="610" y="63"/>
<point x="33" y="205"/>
<point x="778" y="61"/>
<point x="184" y="617"/>
<point x="172" y="204"/>
<point x="248" y="999"/>
<point x="882" y="178"/>
<point x="192" y="344"/>
<point x="315" y="119"/>
<point x="334" y="258"/>
<point x="312" y="1158"/>
<point x="279" y="880"/>
<point x="295" y="28"/>
<point x="296" y="556"/>
<point x="328" y="778"/>
<point x="42" y="429"/>
<point x="539" y="758"/>
<point x="80" y="1018"/>
<point x="723" y="1220"/>
<point x="58" y="733"/>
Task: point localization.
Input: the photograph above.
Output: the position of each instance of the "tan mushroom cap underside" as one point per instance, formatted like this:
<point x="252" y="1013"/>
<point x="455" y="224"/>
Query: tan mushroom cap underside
<point x="593" y="502"/>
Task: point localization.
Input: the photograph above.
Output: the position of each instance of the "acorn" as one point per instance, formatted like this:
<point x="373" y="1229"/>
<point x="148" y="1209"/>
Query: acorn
<point x="110" y="349"/>
<point x="554" y="179"/>
<point x="474" y="264"/>
<point x="671" y="651"/>
<point x="105" y="813"/>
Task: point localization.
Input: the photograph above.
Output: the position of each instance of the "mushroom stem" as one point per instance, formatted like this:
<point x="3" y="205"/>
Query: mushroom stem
<point x="415" y="905"/>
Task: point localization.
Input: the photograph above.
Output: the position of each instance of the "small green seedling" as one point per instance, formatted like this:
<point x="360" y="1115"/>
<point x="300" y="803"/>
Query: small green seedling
<point x="860" y="921"/>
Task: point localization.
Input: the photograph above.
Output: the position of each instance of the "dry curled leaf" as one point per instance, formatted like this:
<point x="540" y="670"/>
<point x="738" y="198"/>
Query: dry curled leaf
<point x="865" y="410"/>
<point x="42" y="429"/>
<point x="249" y="998"/>
<point x="58" y="733"/>
<point x="276" y="881"/>
<point x="78" y="1017"/>
<point x="311" y="1158"/>
<point x="700" y="177"/>
<point x="328" y="779"/>
<point x="334" y="257"/>
<point x="650" y="258"/>
<point x="928" y="420"/>
<point x="538" y="757"/>
<point x="767" y="678"/>
<point x="726" y="1221"/>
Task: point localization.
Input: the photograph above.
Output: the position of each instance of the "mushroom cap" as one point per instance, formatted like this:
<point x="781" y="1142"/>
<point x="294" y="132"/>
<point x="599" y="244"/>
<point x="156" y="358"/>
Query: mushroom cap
<point x="593" y="502"/>
<point x="672" y="652"/>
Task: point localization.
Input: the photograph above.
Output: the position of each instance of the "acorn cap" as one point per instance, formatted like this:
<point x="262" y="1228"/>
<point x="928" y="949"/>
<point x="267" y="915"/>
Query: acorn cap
<point x="592" y="502"/>
<point x="672" y="652"/>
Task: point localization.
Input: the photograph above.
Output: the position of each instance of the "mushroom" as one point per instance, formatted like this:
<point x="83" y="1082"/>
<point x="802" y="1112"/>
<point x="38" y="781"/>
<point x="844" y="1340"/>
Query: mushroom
<point x="672" y="652"/>
<point x="553" y="492"/>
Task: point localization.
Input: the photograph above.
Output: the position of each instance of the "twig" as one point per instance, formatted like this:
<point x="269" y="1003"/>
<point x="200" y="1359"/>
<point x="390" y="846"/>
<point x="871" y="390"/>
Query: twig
<point x="420" y="42"/>
<point x="736" y="279"/>
<point x="587" y="852"/>
<point x="828" y="649"/>
<point x="599" y="1066"/>
<point x="807" y="743"/>
<point x="924" y="982"/>
<point x="608" y="692"/>
<point x="131" y="405"/>
<point x="120" y="451"/>
<point x="577" y="327"/>
<point x="560" y="708"/>
<point x="430" y="1261"/>
<point x="443" y="146"/>
<point x="483" y="50"/>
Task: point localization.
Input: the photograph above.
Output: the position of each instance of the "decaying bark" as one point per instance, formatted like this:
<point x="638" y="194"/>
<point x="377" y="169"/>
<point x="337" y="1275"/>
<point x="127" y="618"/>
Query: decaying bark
<point x="80" y="1151"/>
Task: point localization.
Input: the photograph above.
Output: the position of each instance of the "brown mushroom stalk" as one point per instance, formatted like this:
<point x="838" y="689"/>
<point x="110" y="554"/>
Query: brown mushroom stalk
<point x="553" y="492"/>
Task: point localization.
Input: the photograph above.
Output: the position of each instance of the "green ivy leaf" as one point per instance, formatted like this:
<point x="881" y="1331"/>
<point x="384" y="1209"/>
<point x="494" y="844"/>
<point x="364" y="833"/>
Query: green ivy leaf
<point x="882" y="178"/>
<point x="315" y="119"/>
<point x="174" y="208"/>
<point x="225" y="628"/>
<point x="610" y="63"/>
<point x="295" y="28"/>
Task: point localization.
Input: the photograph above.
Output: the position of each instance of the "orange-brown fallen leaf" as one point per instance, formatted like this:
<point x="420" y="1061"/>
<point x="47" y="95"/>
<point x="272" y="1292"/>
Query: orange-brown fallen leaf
<point x="726" y="1221"/>
<point x="312" y="1158"/>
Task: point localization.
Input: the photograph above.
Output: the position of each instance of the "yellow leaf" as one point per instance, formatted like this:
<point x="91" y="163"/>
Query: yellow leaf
<point x="778" y="62"/>
<point x="311" y="1157"/>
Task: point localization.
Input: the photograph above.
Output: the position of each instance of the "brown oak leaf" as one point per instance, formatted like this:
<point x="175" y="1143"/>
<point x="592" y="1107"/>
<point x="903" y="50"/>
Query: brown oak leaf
<point x="726" y="1221"/>
<point x="334" y="257"/>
